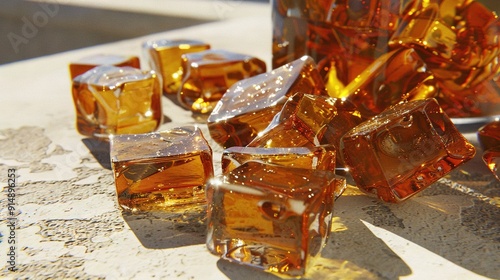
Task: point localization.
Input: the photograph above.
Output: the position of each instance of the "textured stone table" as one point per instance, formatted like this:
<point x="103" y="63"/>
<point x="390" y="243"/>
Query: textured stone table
<point x="69" y="225"/>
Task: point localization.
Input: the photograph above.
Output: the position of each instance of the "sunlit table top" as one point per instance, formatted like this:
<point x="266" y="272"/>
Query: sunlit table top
<point x="69" y="224"/>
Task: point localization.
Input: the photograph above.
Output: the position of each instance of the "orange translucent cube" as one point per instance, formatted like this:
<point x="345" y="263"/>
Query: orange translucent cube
<point x="164" y="170"/>
<point x="207" y="75"/>
<point x="271" y="217"/>
<point x="491" y="158"/>
<point x="403" y="150"/>
<point x="117" y="100"/>
<point x="489" y="135"/>
<point x="164" y="56"/>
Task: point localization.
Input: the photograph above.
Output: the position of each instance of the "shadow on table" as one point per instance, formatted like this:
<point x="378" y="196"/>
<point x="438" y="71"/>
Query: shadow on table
<point x="162" y="230"/>
<point x="236" y="271"/>
<point x="457" y="230"/>
<point x="100" y="150"/>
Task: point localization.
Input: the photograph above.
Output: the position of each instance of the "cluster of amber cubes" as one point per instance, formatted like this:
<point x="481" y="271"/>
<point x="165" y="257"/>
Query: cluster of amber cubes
<point x="363" y="89"/>
<point x="112" y="98"/>
<point x="197" y="74"/>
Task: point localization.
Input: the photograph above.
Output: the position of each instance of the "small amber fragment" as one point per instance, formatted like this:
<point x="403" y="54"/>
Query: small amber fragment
<point x="117" y="100"/>
<point x="308" y="120"/>
<point x="404" y="149"/>
<point x="387" y="81"/>
<point x="164" y="170"/>
<point x="489" y="135"/>
<point x="86" y="63"/>
<point x="248" y="106"/>
<point x="269" y="217"/>
<point x="489" y="140"/>
<point x="164" y="56"/>
<point x="208" y="74"/>
<point x="492" y="159"/>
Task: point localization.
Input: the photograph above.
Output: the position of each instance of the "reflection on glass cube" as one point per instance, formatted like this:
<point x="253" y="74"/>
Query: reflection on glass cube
<point x="248" y="106"/>
<point x="272" y="217"/>
<point x="117" y="100"/>
<point x="86" y="63"/>
<point x="208" y="74"/>
<point x="164" y="170"/>
<point x="164" y="56"/>
<point x="404" y="149"/>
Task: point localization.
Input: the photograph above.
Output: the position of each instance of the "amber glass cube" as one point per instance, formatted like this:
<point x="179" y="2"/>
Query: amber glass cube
<point x="164" y="56"/>
<point x="271" y="217"/>
<point x="117" y="100"/>
<point x="489" y="135"/>
<point x="317" y="157"/>
<point x="86" y="63"/>
<point x="164" y="170"/>
<point x="302" y="122"/>
<point x="309" y="120"/>
<point x="248" y="106"/>
<point x="208" y="74"/>
<point x="403" y="150"/>
<point x="321" y="157"/>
